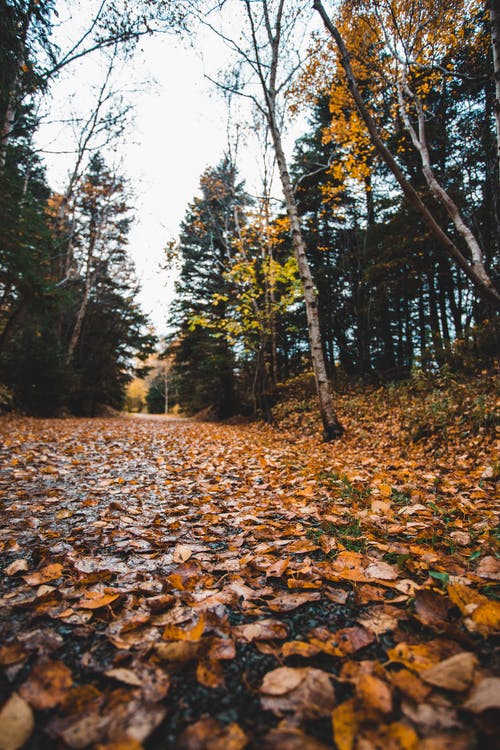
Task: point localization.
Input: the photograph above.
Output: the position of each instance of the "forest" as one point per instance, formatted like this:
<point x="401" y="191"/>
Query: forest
<point x="397" y="217"/>
<point x="273" y="524"/>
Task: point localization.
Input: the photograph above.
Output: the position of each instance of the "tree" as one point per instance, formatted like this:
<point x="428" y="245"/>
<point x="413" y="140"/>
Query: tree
<point x="204" y="360"/>
<point x="271" y="27"/>
<point x="409" y="33"/>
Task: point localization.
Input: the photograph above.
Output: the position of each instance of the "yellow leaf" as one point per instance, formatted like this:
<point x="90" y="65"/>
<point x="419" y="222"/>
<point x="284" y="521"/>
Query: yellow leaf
<point x="345" y="725"/>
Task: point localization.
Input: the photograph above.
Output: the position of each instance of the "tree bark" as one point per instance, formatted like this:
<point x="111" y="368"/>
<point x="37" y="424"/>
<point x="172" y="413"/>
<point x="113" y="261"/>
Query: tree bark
<point x="267" y="74"/>
<point x="495" y="43"/>
<point x="476" y="274"/>
<point x="332" y="427"/>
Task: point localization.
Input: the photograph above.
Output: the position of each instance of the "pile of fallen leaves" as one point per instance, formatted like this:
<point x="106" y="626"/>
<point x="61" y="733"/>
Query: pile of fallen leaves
<point x="169" y="584"/>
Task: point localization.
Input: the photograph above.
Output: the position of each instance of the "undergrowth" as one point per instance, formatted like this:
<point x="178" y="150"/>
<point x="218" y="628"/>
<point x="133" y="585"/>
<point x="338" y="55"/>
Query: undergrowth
<point x="429" y="408"/>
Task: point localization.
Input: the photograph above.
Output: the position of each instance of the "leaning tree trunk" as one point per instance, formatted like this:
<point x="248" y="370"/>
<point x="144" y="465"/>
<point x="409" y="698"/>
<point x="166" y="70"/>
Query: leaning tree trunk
<point x="475" y="272"/>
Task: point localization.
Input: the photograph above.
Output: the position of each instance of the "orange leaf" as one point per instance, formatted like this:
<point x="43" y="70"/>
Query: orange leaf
<point x="345" y="725"/>
<point x="175" y="633"/>
<point x="96" y="600"/>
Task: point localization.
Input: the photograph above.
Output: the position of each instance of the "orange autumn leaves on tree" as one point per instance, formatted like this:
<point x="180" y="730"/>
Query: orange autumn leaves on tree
<point x="387" y="41"/>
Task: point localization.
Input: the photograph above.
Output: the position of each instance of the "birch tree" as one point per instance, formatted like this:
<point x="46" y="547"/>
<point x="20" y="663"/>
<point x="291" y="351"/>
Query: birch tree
<point x="265" y="54"/>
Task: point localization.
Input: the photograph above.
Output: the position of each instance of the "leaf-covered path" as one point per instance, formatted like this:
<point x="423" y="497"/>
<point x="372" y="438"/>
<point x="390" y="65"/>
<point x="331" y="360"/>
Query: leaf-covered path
<point x="169" y="584"/>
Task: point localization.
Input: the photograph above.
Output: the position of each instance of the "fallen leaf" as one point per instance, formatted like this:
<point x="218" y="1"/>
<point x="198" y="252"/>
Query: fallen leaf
<point x="299" y="648"/>
<point x="489" y="567"/>
<point x="47" y="685"/>
<point x="210" y="734"/>
<point x="419" y="656"/>
<point x="209" y="673"/>
<point x="455" y="673"/>
<point x="46" y="574"/>
<point x="16" y="723"/>
<point x="278" y="568"/>
<point x="374" y="695"/>
<point x="16" y="567"/>
<point x="127" y="676"/>
<point x="181" y="553"/>
<point x="380" y="620"/>
<point x="262" y="630"/>
<point x="432" y="609"/>
<point x="96" y="600"/>
<point x="281" y="681"/>
<point x="484" y="696"/>
<point x="410" y="685"/>
<point x="485" y="618"/>
<point x="287" y="602"/>
<point x="381" y="570"/>
<point x="175" y="633"/>
<point x="291" y="738"/>
<point x="178" y="651"/>
<point x="345" y="725"/>
<point x="305" y="692"/>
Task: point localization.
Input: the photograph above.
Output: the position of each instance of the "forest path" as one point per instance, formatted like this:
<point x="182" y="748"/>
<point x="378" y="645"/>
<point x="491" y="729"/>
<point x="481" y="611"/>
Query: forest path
<point x="187" y="585"/>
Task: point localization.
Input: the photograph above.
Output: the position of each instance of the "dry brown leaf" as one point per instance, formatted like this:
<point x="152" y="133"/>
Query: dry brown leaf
<point x="262" y="630"/>
<point x="380" y="620"/>
<point x="455" y="673"/>
<point x="485" y="618"/>
<point x="432" y="608"/>
<point x="281" y="680"/>
<point x="181" y="553"/>
<point x="465" y="598"/>
<point x="427" y="716"/>
<point x="16" y="723"/>
<point x="304" y="692"/>
<point x="177" y="651"/>
<point x="209" y="673"/>
<point x="16" y="567"/>
<point x="484" y="696"/>
<point x="278" y="568"/>
<point x="127" y="676"/>
<point x="381" y="570"/>
<point x="12" y="653"/>
<point x="489" y="567"/>
<point x="299" y="648"/>
<point x="410" y="685"/>
<point x="287" y="602"/>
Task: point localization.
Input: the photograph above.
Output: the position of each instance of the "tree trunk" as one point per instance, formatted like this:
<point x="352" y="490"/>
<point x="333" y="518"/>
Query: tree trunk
<point x="473" y="271"/>
<point x="495" y="43"/>
<point x="332" y="427"/>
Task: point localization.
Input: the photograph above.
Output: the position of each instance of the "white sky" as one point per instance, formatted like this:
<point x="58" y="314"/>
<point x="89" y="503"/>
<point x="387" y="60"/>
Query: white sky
<point x="179" y="129"/>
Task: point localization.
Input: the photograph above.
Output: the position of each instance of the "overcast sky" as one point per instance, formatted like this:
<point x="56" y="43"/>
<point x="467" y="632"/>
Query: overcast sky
<point x="179" y="129"/>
